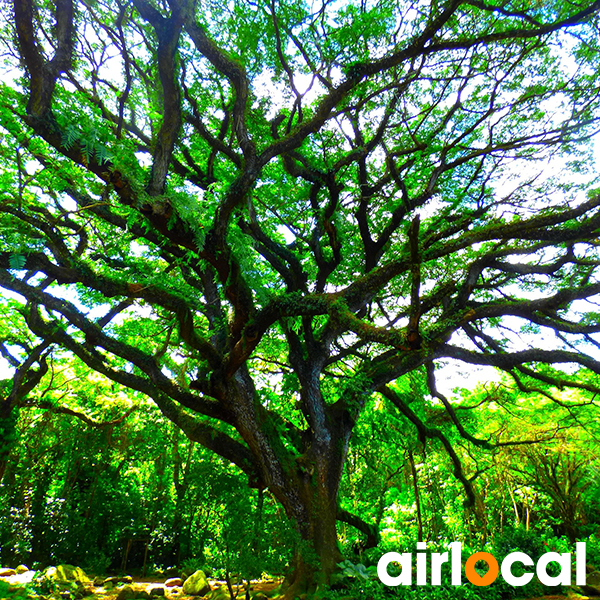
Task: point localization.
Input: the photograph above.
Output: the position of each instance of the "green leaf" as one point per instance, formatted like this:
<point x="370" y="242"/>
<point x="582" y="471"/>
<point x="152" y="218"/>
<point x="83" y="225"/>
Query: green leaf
<point x="17" y="261"/>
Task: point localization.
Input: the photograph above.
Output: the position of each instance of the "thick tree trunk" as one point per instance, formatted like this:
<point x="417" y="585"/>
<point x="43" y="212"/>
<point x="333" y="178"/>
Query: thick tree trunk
<point x="317" y="552"/>
<point x="312" y="502"/>
<point x="305" y="481"/>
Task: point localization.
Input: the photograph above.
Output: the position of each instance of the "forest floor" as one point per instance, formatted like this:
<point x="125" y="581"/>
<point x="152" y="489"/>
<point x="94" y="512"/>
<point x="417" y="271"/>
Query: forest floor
<point x="156" y="589"/>
<point x="173" y="593"/>
<point x="153" y="587"/>
<point x="264" y="587"/>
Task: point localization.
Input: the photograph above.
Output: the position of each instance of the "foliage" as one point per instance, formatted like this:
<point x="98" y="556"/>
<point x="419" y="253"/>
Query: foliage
<point x="279" y="223"/>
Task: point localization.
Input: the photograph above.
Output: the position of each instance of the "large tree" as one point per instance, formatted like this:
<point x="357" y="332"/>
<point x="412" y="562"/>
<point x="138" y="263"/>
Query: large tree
<point x="261" y="213"/>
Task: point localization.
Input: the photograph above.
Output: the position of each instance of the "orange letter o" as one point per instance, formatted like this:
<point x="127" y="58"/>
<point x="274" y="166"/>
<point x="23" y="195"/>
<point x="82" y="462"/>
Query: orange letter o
<point x="472" y="574"/>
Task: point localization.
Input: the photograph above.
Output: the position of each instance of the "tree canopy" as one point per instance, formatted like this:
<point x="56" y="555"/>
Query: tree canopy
<point x="261" y="214"/>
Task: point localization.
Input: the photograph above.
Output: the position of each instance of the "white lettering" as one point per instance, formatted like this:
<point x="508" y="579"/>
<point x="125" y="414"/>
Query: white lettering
<point x="421" y="564"/>
<point x="508" y="562"/>
<point x="580" y="563"/>
<point x="405" y="577"/>
<point x="437" y="560"/>
<point x="456" y="563"/>
<point x="563" y="559"/>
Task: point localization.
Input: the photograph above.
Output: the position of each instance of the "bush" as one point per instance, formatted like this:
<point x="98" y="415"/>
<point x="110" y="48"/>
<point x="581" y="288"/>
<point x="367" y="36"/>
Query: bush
<point x="519" y="539"/>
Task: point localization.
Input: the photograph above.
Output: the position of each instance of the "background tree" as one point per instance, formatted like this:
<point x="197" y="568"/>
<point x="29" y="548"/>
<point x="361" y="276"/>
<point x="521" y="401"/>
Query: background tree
<point x="260" y="214"/>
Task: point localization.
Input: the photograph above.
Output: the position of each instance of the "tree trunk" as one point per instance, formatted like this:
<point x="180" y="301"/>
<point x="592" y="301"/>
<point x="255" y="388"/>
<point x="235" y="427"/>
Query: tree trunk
<point x="413" y="470"/>
<point x="317" y="552"/>
<point x="311" y="501"/>
<point x="181" y="482"/>
<point x="7" y="435"/>
<point x="304" y="480"/>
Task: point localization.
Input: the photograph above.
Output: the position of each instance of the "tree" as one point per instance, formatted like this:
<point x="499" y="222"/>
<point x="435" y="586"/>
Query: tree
<point x="259" y="214"/>
<point x="24" y="380"/>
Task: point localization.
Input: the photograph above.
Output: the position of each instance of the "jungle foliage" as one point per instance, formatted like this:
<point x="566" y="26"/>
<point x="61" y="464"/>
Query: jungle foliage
<point x="101" y="479"/>
<point x="279" y="222"/>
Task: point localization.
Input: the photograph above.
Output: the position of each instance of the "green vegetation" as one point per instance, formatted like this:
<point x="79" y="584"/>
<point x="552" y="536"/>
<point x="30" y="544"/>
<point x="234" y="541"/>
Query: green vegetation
<point x="132" y="493"/>
<point x="242" y="247"/>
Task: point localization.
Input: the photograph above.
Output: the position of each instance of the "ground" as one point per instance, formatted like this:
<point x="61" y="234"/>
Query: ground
<point x="176" y="593"/>
<point x="139" y="584"/>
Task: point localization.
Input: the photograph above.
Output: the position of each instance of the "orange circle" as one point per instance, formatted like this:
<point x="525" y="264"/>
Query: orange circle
<point x="472" y="574"/>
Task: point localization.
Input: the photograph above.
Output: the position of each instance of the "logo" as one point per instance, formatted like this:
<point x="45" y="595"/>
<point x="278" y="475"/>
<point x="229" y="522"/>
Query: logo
<point x="563" y="559"/>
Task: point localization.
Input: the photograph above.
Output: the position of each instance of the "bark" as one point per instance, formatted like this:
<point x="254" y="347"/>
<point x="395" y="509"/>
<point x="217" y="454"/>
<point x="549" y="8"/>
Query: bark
<point x="317" y="553"/>
<point x="5" y="442"/>
<point x="307" y="484"/>
<point x="23" y="382"/>
<point x="371" y="531"/>
<point x="413" y="470"/>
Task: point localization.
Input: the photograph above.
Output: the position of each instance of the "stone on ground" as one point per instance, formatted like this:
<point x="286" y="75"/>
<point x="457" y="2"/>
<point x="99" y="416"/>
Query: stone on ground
<point x="221" y="593"/>
<point x="126" y="593"/>
<point x="66" y="574"/>
<point x="196" y="584"/>
<point x="118" y="579"/>
<point x="593" y="578"/>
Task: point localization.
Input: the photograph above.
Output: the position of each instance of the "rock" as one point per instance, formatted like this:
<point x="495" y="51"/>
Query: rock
<point x="117" y="580"/>
<point x="196" y="584"/>
<point x="591" y="590"/>
<point x="6" y="572"/>
<point x="126" y="593"/>
<point x="67" y="574"/>
<point x="592" y="587"/>
<point x="221" y="593"/>
<point x="21" y="569"/>
<point x="575" y="594"/>
<point x="174" y="581"/>
<point x="157" y="591"/>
